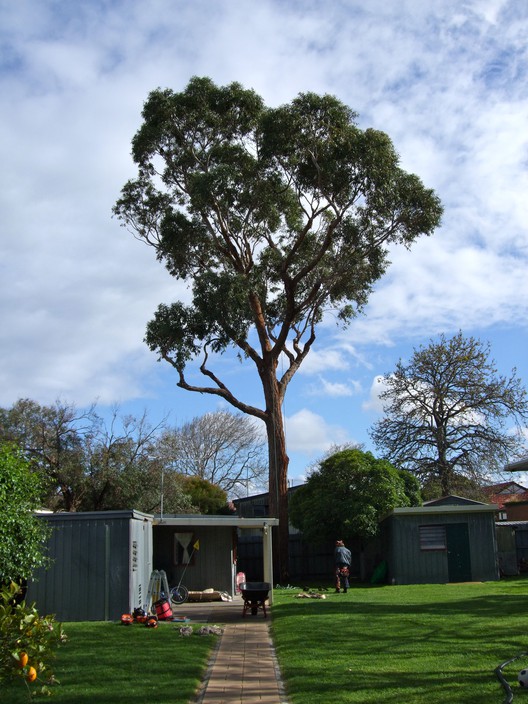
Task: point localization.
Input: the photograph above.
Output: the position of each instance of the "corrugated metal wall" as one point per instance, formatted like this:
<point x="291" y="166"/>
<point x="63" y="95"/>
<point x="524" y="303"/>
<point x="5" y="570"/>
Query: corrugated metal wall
<point x="89" y="579"/>
<point x="210" y="567"/>
<point x="408" y="564"/>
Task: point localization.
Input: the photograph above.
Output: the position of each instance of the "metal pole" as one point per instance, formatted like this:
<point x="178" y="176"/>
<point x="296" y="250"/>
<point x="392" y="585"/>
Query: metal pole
<point x="161" y="499"/>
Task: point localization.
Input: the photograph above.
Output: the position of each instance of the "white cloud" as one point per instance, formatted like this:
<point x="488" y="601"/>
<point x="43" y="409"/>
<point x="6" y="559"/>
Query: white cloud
<point x="324" y="360"/>
<point x="446" y="80"/>
<point x="327" y="388"/>
<point x="309" y="433"/>
<point x="374" y="403"/>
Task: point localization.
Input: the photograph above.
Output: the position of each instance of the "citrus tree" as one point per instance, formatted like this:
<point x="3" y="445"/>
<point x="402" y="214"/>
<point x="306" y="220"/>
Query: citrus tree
<point x="27" y="642"/>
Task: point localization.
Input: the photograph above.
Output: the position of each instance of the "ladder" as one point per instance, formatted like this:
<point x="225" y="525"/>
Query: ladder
<point x="158" y="588"/>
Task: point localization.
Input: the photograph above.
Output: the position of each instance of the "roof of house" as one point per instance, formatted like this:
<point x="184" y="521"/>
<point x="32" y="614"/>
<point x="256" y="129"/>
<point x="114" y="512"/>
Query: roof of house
<point x="506" y="492"/>
<point x="505" y="488"/>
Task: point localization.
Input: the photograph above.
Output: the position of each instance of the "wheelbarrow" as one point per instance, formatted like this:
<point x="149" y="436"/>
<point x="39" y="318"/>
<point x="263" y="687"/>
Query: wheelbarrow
<point x="254" y="595"/>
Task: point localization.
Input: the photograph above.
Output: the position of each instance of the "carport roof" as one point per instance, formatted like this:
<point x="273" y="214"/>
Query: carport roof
<point x="517" y="466"/>
<point x="193" y="519"/>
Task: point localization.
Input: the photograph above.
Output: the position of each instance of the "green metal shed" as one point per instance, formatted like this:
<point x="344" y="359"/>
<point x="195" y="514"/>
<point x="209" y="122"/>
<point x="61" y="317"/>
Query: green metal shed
<point x="440" y="543"/>
<point x="101" y="563"/>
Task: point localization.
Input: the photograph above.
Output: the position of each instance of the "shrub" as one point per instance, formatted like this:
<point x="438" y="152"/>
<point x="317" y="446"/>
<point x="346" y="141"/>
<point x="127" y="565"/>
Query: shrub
<point x="22" y="534"/>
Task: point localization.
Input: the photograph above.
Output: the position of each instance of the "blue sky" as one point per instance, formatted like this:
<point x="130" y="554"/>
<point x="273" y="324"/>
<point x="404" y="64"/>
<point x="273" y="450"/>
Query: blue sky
<point x="447" y="80"/>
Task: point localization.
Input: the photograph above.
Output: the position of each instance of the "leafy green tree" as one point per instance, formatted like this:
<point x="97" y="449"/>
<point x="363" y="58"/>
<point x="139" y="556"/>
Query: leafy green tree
<point x="347" y="494"/>
<point x="205" y="496"/>
<point x="122" y="468"/>
<point x="274" y="216"/>
<point x="449" y="415"/>
<point x="22" y="534"/>
<point x="53" y="438"/>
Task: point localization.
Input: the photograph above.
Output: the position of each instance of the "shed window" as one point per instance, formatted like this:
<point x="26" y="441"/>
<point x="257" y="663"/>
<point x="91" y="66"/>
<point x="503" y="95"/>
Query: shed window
<point x="432" y="538"/>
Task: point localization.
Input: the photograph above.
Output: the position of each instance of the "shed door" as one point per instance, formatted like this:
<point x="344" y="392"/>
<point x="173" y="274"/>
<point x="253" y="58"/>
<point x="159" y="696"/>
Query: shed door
<point x="458" y="552"/>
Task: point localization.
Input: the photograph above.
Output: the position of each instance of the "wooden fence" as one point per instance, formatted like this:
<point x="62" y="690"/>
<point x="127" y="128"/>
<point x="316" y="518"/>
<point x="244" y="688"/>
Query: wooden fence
<point x="307" y="561"/>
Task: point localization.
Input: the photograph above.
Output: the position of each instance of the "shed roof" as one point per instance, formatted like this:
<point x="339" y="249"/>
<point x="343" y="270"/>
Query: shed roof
<point x="452" y="500"/>
<point x="83" y="515"/>
<point x="182" y="519"/>
<point x="442" y="508"/>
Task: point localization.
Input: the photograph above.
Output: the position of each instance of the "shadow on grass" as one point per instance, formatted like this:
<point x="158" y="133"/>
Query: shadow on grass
<point x="386" y="686"/>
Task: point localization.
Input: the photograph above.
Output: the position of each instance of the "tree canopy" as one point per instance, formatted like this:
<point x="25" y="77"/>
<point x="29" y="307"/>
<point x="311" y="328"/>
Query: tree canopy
<point x="207" y="497"/>
<point x="449" y="414"/>
<point x="347" y="494"/>
<point x="273" y="216"/>
<point x="87" y="463"/>
<point x="223" y="448"/>
<point x="22" y="534"/>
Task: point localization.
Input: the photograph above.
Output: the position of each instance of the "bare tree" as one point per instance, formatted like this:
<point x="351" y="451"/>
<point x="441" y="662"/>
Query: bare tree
<point x="448" y="413"/>
<point x="224" y="448"/>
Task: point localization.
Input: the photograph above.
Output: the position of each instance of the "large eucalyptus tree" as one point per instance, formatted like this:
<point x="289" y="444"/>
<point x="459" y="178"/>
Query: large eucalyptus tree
<point x="275" y="216"/>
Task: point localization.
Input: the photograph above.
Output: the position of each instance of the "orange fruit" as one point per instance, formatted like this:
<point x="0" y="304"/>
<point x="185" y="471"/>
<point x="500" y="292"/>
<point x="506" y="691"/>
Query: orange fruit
<point x="22" y="659"/>
<point x="31" y="675"/>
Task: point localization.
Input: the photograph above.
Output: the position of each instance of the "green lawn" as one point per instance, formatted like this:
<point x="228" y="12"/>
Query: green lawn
<point x="438" y="644"/>
<point x="108" y="663"/>
<point x="385" y="645"/>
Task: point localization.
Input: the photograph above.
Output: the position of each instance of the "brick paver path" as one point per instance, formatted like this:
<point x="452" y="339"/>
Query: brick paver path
<point x="244" y="668"/>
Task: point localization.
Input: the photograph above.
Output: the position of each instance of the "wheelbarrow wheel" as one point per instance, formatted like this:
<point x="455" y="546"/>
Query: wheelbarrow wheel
<point x="179" y="595"/>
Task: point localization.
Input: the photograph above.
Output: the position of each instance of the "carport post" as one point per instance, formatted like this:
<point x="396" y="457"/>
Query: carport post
<point x="267" y="555"/>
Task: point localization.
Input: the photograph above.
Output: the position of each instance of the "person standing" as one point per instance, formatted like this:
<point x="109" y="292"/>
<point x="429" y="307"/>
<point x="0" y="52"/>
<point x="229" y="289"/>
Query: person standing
<point x="342" y="560"/>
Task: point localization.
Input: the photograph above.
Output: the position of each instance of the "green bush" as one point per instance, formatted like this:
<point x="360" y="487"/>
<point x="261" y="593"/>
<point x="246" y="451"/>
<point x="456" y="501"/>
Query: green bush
<point x="22" y="534"/>
<point x="27" y="642"/>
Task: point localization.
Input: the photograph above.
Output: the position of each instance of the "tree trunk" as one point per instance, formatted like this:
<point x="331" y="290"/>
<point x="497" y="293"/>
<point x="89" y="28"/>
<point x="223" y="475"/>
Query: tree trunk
<point x="444" y="469"/>
<point x="278" y="475"/>
<point x="278" y="496"/>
